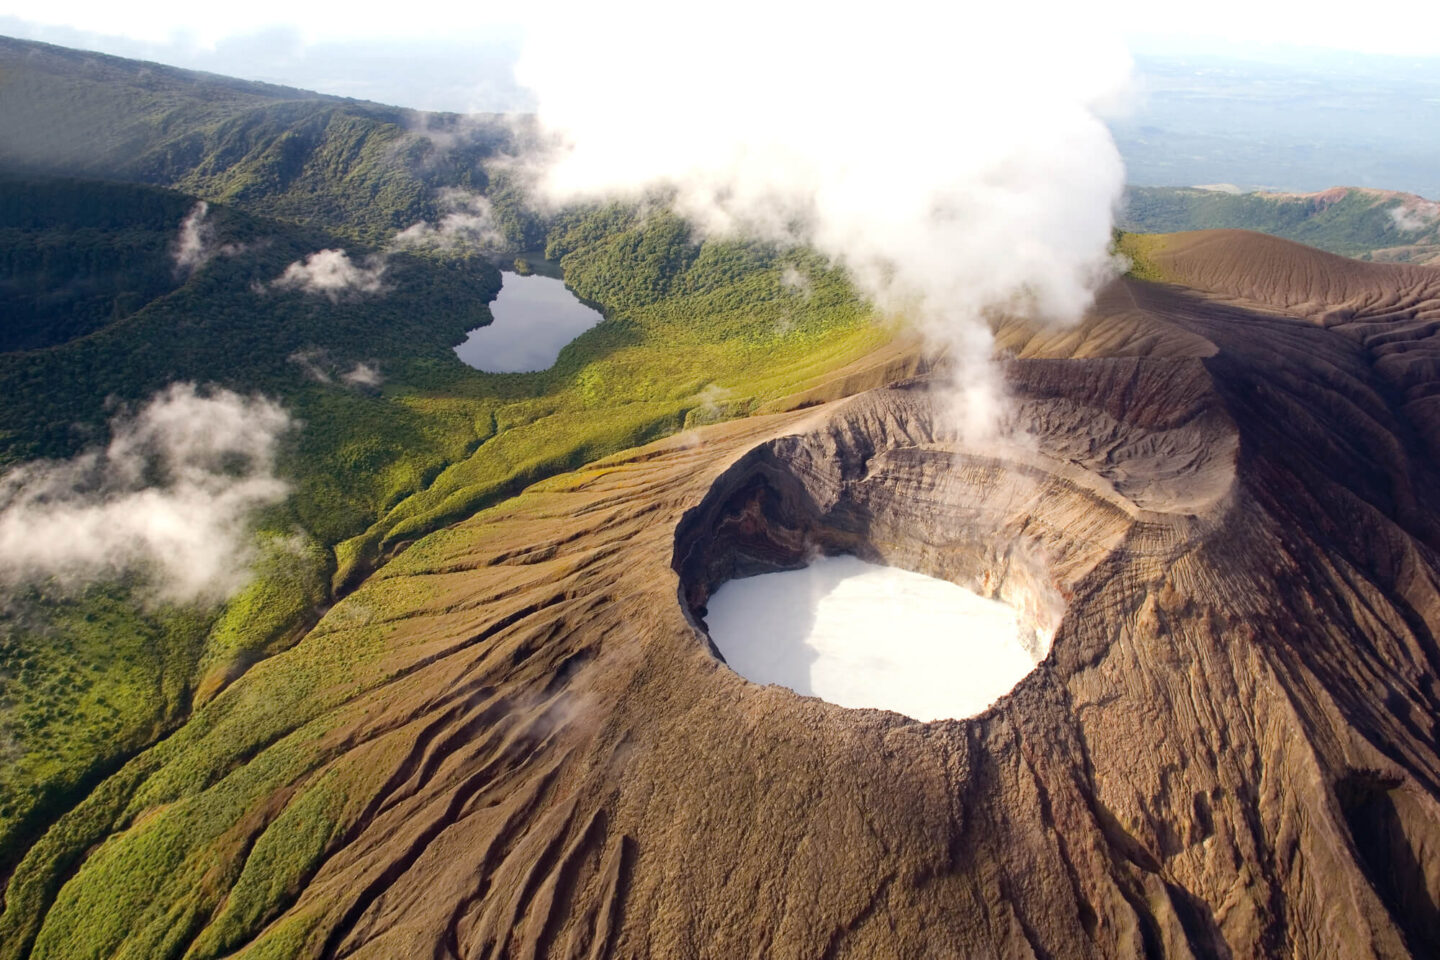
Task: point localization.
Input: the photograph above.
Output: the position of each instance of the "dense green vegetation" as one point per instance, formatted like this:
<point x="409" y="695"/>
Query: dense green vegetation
<point x="86" y="680"/>
<point x="361" y="169"/>
<point x="1139" y="249"/>
<point x="695" y="332"/>
<point x="1350" y="222"/>
<point x="224" y="324"/>
<point x="74" y="257"/>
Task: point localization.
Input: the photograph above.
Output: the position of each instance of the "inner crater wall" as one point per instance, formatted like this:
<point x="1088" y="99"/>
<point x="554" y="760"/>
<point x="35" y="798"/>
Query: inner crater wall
<point x="1011" y="521"/>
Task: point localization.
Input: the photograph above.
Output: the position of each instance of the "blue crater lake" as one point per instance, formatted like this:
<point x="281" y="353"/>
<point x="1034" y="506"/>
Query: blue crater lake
<point x="535" y="317"/>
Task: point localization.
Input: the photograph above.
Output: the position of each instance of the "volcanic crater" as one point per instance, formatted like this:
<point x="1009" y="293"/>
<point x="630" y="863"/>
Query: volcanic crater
<point x="1217" y="496"/>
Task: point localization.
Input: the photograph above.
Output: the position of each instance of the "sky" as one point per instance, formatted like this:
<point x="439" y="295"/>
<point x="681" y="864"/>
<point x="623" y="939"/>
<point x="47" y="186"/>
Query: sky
<point x="458" y="56"/>
<point x="1405" y="28"/>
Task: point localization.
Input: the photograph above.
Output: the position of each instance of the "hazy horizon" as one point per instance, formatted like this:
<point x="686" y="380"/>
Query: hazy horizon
<point x="1203" y="111"/>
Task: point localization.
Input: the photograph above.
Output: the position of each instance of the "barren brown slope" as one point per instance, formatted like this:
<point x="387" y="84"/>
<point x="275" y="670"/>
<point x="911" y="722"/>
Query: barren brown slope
<point x="524" y="746"/>
<point x="1392" y="311"/>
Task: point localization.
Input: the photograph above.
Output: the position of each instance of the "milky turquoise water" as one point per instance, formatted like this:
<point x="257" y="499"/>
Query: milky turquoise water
<point x="861" y="635"/>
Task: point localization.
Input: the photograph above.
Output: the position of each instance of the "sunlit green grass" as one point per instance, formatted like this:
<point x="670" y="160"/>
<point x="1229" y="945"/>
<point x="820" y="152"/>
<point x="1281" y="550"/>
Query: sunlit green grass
<point x="1140" y="249"/>
<point x="628" y="381"/>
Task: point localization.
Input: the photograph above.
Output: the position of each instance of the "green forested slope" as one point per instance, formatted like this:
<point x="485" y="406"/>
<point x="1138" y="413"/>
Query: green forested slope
<point x="85" y="679"/>
<point x="77" y="256"/>
<point x="1353" y="222"/>
<point x="362" y="169"/>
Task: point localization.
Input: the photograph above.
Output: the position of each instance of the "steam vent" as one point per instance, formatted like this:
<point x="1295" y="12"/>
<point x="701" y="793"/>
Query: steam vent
<point x="1223" y="519"/>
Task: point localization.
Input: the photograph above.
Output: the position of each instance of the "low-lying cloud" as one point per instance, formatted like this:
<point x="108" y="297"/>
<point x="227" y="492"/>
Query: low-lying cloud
<point x="320" y="366"/>
<point x="468" y="222"/>
<point x="332" y="274"/>
<point x="363" y="375"/>
<point x="195" y="244"/>
<point x="1415" y="216"/>
<point x="793" y="281"/>
<point x="954" y="161"/>
<point x="169" y="499"/>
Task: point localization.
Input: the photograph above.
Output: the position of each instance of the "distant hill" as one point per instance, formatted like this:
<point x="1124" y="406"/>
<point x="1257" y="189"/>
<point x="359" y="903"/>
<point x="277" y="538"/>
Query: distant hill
<point x="1358" y="222"/>
<point x="1270" y="117"/>
<point x="362" y="169"/>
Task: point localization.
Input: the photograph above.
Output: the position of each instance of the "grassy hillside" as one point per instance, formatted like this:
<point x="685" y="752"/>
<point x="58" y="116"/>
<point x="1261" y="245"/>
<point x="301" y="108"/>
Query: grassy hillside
<point x="84" y="680"/>
<point x="694" y="333"/>
<point x="1353" y="222"/>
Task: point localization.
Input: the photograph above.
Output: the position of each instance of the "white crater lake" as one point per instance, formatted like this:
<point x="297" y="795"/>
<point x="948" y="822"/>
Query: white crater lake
<point x="534" y="317"/>
<point x="862" y="635"/>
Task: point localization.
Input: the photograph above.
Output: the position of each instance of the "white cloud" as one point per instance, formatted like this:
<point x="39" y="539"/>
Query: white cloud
<point x="320" y="366"/>
<point x="709" y="406"/>
<point x="315" y="362"/>
<point x="333" y="274"/>
<point x="189" y="248"/>
<point x="793" y="281"/>
<point x="1415" y="216"/>
<point x="954" y="161"/>
<point x="468" y="222"/>
<point x="363" y="375"/>
<point x="168" y="498"/>
<point x="195" y="245"/>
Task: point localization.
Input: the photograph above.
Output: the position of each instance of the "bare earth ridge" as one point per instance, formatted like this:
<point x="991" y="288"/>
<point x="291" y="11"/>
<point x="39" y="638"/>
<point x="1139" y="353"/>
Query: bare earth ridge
<point x="1223" y="500"/>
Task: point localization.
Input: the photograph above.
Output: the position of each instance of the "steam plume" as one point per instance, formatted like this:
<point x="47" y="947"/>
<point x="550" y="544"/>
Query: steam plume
<point x="953" y="160"/>
<point x="169" y="497"/>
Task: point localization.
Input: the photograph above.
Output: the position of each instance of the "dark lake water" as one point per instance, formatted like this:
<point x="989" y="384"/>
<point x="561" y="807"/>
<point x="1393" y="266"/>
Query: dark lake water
<point x="535" y="317"/>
